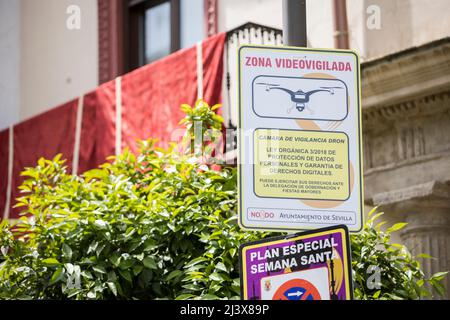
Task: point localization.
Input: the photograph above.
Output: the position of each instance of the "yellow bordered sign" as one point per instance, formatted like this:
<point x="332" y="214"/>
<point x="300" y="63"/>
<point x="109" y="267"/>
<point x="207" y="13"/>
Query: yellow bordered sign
<point x="314" y="265"/>
<point x="299" y="139"/>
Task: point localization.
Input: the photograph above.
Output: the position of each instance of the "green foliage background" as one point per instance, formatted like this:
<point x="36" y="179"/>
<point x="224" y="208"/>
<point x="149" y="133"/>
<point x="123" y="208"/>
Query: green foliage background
<point x="158" y="225"/>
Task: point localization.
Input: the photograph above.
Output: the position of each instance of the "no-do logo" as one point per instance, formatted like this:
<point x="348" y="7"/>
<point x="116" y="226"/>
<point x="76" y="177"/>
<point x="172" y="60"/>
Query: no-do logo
<point x="261" y="214"/>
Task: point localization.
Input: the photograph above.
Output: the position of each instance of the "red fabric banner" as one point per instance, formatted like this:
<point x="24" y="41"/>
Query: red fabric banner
<point x="89" y="155"/>
<point x="45" y="135"/>
<point x="213" y="68"/>
<point x="152" y="95"/>
<point x="105" y="115"/>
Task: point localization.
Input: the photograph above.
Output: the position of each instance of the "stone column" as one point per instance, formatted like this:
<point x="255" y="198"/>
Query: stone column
<point x="426" y="209"/>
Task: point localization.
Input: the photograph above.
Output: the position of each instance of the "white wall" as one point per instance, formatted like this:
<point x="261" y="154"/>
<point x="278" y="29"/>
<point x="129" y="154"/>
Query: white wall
<point x="9" y="62"/>
<point x="404" y="24"/>
<point x="57" y="64"/>
<point x="233" y="13"/>
<point x="319" y="17"/>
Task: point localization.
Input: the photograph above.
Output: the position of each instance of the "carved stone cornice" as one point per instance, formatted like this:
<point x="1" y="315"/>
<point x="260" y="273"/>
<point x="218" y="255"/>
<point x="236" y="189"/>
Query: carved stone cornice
<point x="434" y="190"/>
<point x="404" y="95"/>
<point x="425" y="207"/>
<point x="445" y="156"/>
<point x="406" y="76"/>
<point x="430" y="104"/>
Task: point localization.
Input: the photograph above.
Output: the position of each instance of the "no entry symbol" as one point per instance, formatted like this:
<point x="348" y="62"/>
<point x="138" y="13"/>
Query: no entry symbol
<point x="297" y="289"/>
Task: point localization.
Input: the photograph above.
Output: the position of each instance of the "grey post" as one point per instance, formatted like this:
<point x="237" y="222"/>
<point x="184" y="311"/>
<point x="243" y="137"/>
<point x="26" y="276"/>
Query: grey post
<point x="294" y="23"/>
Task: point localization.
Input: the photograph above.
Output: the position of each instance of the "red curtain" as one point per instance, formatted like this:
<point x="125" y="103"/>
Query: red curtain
<point x="152" y="96"/>
<point x="43" y="136"/>
<point x="89" y="155"/>
<point x="151" y="99"/>
<point x="213" y="68"/>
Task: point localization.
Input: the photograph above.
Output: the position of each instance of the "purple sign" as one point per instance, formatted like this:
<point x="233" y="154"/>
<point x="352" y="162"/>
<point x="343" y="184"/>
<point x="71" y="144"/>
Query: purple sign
<point x="313" y="265"/>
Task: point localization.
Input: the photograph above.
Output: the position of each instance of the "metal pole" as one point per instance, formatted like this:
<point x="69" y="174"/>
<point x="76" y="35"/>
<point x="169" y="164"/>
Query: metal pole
<point x="294" y="23"/>
<point x="340" y="24"/>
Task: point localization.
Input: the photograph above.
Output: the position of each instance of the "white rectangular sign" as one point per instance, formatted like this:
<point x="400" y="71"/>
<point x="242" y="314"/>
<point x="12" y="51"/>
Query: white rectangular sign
<point x="300" y="139"/>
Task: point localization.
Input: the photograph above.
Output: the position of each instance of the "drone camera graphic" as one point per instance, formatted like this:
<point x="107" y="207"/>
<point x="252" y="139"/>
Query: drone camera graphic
<point x="300" y="98"/>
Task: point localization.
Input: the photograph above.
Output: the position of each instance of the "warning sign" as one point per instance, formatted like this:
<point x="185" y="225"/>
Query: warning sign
<point x="314" y="265"/>
<point x="299" y="139"/>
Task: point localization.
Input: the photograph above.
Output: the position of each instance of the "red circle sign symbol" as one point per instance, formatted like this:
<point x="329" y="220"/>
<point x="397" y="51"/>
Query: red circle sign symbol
<point x="297" y="289"/>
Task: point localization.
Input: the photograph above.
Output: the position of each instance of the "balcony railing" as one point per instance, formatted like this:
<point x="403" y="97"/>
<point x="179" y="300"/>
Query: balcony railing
<point x="249" y="33"/>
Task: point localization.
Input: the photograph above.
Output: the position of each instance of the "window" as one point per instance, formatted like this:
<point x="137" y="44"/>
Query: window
<point x="192" y="27"/>
<point x="157" y="32"/>
<point x="157" y="28"/>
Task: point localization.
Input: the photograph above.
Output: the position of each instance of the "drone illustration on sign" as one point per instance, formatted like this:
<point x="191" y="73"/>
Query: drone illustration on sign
<point x="300" y="98"/>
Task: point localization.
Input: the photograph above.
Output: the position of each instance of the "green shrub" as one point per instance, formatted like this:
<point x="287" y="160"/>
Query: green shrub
<point x="400" y="274"/>
<point x="126" y="229"/>
<point x="155" y="225"/>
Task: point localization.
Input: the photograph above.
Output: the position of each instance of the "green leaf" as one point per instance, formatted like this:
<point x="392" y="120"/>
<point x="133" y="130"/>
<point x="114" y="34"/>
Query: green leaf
<point x="173" y="274"/>
<point x="95" y="174"/>
<point x="379" y="225"/>
<point x="115" y="259"/>
<point x="92" y="246"/>
<point x="375" y="217"/>
<point x="50" y="262"/>
<point x="222" y="267"/>
<point x="185" y="296"/>
<point x="149" y="262"/>
<point x="376" y="294"/>
<point x="126" y="263"/>
<point x="439" y="276"/>
<point x="439" y="287"/>
<point x="216" y="277"/>
<point x="372" y="212"/>
<point x="192" y="287"/>
<point x="67" y="251"/>
<point x="215" y="107"/>
<point x="137" y="269"/>
<point x="126" y="275"/>
<point x="195" y="261"/>
<point x="99" y="269"/>
<point x="420" y="283"/>
<point x="425" y="256"/>
<point x="57" y="275"/>
<point x="100" y="224"/>
<point x="186" y="108"/>
<point x="397" y="226"/>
